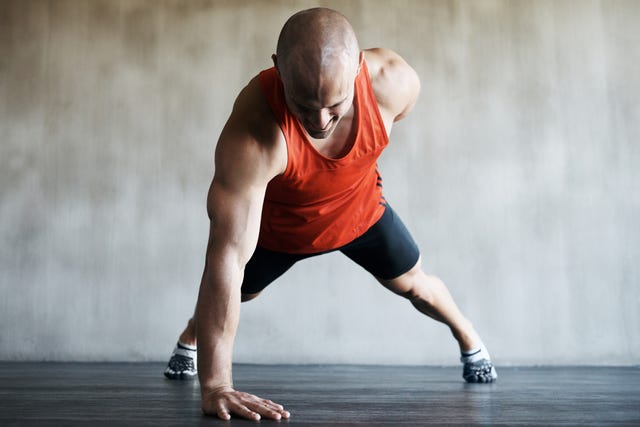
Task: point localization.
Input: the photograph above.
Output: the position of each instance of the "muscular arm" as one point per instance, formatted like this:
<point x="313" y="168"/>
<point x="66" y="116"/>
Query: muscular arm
<point x="395" y="84"/>
<point x="248" y="155"/>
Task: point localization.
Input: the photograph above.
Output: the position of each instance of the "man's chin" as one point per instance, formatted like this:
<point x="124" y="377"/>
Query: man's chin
<point x="320" y="134"/>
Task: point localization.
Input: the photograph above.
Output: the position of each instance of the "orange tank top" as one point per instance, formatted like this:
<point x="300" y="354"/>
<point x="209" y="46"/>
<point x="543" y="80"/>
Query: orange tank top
<point x="320" y="203"/>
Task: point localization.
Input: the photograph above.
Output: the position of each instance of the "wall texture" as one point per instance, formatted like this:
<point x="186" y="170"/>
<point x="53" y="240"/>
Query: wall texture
<point x="518" y="173"/>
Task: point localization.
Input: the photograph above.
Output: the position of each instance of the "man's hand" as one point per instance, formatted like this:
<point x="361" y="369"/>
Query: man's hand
<point x="226" y="401"/>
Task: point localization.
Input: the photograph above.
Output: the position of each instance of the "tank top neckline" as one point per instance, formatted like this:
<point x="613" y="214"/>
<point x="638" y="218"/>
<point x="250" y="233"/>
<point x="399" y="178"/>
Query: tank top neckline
<point x="351" y="138"/>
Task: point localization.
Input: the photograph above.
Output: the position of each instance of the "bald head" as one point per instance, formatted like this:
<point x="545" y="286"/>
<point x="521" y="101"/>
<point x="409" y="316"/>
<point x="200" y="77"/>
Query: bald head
<point x="318" y="60"/>
<point x="316" y="41"/>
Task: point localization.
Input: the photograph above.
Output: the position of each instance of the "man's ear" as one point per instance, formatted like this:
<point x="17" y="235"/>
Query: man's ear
<point x="274" y="58"/>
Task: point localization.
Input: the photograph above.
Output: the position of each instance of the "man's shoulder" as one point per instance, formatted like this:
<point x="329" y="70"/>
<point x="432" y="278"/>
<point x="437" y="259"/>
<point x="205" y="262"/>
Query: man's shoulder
<point x="252" y="112"/>
<point x="251" y="135"/>
<point x="384" y="65"/>
<point x="394" y="81"/>
<point x="251" y="103"/>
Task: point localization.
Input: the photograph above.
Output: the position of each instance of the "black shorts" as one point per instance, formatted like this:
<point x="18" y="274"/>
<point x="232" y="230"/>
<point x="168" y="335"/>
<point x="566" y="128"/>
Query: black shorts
<point x="386" y="250"/>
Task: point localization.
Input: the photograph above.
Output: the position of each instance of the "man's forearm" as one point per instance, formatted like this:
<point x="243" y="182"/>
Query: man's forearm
<point x="217" y="316"/>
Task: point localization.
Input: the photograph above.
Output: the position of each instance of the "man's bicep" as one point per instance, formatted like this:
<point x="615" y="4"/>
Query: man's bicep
<point x="248" y="155"/>
<point x="236" y="195"/>
<point x="234" y="215"/>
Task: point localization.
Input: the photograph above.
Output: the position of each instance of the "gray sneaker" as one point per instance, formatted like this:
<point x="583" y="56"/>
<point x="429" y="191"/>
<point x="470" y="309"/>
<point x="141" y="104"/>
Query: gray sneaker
<point x="183" y="364"/>
<point x="480" y="371"/>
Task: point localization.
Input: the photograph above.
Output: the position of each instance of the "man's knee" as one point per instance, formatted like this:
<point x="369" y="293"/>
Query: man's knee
<point x="248" y="297"/>
<point x="407" y="285"/>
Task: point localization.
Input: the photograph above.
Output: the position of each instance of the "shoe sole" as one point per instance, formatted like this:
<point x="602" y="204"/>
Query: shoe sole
<point x="180" y="375"/>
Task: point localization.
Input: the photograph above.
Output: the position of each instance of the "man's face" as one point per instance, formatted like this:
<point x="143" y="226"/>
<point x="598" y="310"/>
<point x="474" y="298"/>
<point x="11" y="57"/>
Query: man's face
<point x="319" y="102"/>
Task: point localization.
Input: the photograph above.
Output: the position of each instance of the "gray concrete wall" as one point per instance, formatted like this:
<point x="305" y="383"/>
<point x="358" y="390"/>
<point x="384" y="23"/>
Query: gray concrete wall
<point x="517" y="173"/>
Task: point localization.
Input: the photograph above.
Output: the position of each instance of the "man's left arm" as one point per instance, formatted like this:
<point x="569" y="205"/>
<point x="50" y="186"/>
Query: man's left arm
<point x="395" y="82"/>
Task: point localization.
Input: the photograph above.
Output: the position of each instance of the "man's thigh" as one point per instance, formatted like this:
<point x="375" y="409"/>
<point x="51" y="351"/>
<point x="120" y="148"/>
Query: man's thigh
<point x="386" y="250"/>
<point x="264" y="267"/>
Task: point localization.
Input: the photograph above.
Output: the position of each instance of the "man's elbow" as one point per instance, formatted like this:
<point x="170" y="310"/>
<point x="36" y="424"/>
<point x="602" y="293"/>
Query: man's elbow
<point x="412" y="86"/>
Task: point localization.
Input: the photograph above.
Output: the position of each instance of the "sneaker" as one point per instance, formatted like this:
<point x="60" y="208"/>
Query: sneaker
<point x="480" y="371"/>
<point x="183" y="364"/>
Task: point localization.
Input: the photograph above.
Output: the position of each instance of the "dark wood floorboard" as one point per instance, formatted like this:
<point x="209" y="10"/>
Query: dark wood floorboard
<point x="126" y="394"/>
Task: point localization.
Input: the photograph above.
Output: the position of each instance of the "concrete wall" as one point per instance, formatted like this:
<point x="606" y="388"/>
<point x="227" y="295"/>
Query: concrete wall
<point x="518" y="173"/>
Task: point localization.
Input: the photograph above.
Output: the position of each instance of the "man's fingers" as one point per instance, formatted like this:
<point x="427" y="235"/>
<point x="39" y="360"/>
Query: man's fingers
<point x="244" y="405"/>
<point x="271" y="405"/>
<point x="240" y="404"/>
<point x="265" y="409"/>
<point x="277" y="406"/>
<point x="245" y="412"/>
<point x="222" y="414"/>
<point x="236" y="409"/>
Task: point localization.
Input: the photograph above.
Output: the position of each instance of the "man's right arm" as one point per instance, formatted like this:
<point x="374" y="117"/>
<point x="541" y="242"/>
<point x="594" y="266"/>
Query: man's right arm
<point x="249" y="153"/>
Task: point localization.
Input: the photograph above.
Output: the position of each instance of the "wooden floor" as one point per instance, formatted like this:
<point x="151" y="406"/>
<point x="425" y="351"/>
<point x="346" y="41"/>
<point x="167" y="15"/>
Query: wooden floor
<point x="126" y="394"/>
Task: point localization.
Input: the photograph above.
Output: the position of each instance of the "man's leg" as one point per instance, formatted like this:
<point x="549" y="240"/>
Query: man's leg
<point x="188" y="335"/>
<point x="263" y="268"/>
<point x="431" y="297"/>
<point x="183" y="363"/>
<point x="390" y="254"/>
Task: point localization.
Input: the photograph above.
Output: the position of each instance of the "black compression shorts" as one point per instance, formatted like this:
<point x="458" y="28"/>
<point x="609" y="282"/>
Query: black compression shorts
<point x="386" y="250"/>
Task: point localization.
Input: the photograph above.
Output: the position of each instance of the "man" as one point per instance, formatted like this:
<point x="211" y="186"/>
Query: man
<point x="296" y="176"/>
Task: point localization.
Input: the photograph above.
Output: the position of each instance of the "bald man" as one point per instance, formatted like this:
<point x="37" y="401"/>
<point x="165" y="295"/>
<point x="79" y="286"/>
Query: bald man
<point x="295" y="177"/>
